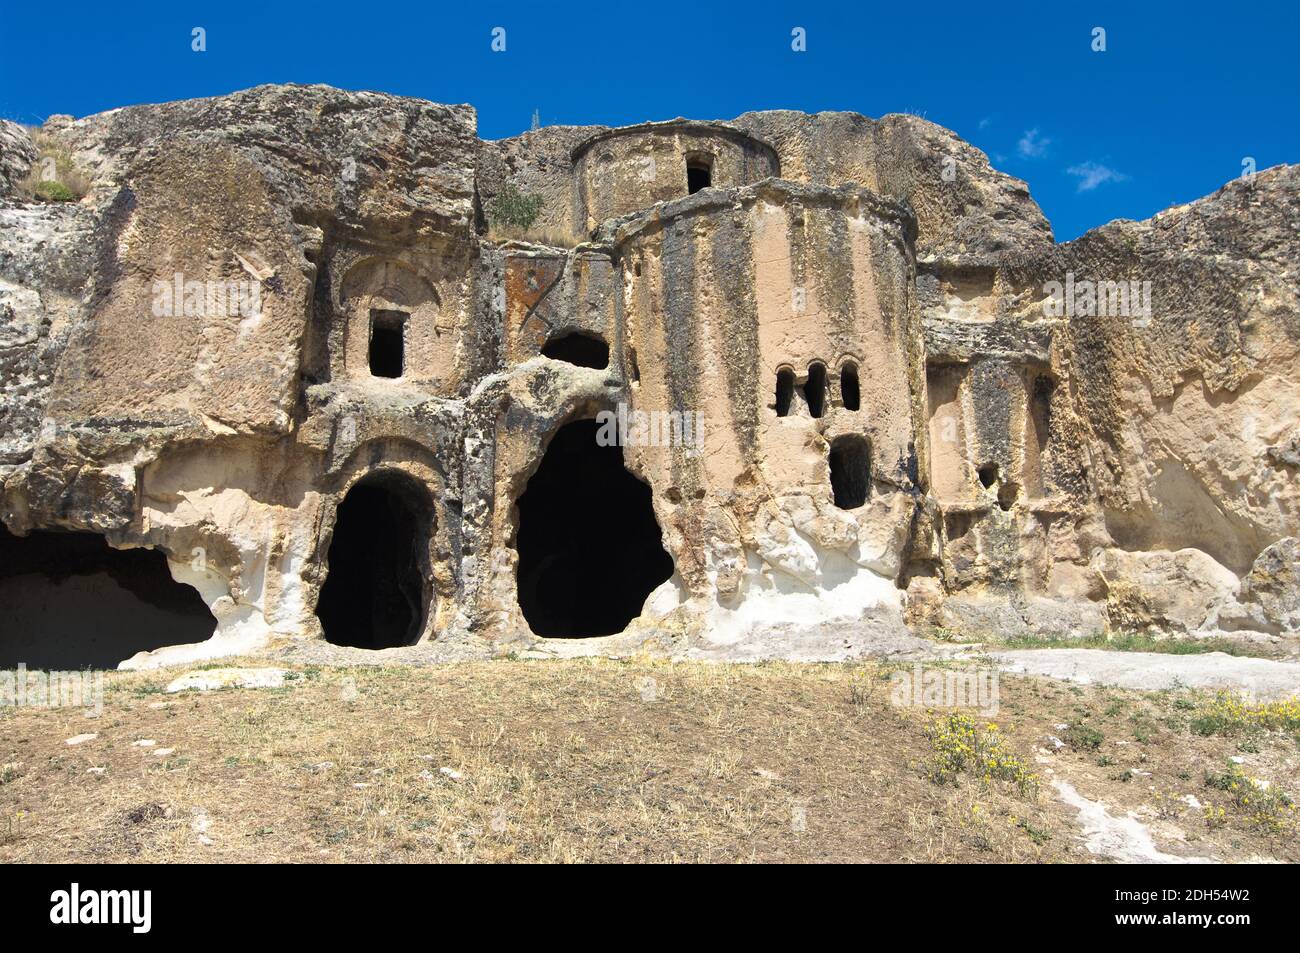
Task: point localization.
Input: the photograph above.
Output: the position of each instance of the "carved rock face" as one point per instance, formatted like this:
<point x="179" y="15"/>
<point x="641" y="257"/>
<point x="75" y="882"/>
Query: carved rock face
<point x="857" y="383"/>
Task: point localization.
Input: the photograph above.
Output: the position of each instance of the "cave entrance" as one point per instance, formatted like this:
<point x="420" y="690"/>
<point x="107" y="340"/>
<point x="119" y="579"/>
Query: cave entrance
<point x="590" y="550"/>
<point x="814" y="390"/>
<point x="375" y="594"/>
<point x="584" y="350"/>
<point x="784" y="391"/>
<point x="850" y="462"/>
<point x="850" y="392"/>
<point x="387" y="343"/>
<point x="70" y="601"/>
<point x="699" y="173"/>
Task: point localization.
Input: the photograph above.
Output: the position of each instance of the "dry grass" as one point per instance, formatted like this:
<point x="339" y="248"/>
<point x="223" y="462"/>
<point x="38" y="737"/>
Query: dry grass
<point x="593" y="760"/>
<point x="551" y="235"/>
<point x="69" y="181"/>
<point x="1124" y="642"/>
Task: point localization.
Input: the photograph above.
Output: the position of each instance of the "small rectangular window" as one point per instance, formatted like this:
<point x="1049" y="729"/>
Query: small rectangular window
<point x="784" y="391"/>
<point x="699" y="173"/>
<point x="814" y="391"/>
<point x="850" y="393"/>
<point x="387" y="343"/>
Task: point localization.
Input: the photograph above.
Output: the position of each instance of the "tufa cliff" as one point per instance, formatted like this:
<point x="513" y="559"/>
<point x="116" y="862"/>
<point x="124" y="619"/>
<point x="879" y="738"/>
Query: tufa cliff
<point x="305" y="364"/>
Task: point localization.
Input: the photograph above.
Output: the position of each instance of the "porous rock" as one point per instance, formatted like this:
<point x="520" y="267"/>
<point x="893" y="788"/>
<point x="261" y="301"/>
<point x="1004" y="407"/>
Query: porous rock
<point x="898" y="424"/>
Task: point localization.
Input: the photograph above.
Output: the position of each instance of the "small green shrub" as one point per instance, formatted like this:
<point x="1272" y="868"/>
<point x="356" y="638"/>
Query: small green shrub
<point x="511" y="208"/>
<point x="48" y="191"/>
<point x="55" y="176"/>
<point x="1083" y="737"/>
<point x="1039" y="835"/>
<point x="1264" y="806"/>
<point x="960" y="745"/>
<point x="1230" y="715"/>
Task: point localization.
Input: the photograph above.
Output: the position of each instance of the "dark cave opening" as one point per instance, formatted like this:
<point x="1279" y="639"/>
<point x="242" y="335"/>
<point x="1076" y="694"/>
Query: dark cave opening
<point x="815" y="390"/>
<point x="850" y="393"/>
<point x="387" y="343"/>
<point x="699" y="174"/>
<point x="590" y="549"/>
<point x="584" y="350"/>
<point x="1040" y="410"/>
<point x="784" y="391"/>
<point x="70" y="601"/>
<point x="850" y="462"/>
<point x="375" y="594"/>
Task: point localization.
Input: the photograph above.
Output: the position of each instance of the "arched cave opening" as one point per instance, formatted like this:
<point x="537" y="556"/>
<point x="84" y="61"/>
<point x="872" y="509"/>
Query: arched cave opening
<point x="850" y="393"/>
<point x="784" y="391"/>
<point x="580" y="348"/>
<point x="850" y="461"/>
<point x="375" y="594"/>
<point x="590" y="549"/>
<point x="814" y="391"/>
<point x="70" y="601"/>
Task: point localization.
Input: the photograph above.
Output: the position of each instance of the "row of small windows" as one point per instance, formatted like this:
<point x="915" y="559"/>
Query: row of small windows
<point x="814" y="391"/>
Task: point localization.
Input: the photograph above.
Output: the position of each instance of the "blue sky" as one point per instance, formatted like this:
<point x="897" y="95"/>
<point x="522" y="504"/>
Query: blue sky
<point x="1183" y="94"/>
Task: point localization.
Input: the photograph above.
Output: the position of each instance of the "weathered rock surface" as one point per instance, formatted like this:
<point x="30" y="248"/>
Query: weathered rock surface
<point x="965" y="209"/>
<point x="275" y="302"/>
<point x="1271" y="589"/>
<point x="17" y="153"/>
<point x="215" y="679"/>
<point x="1120" y="839"/>
<point x="1262" y="679"/>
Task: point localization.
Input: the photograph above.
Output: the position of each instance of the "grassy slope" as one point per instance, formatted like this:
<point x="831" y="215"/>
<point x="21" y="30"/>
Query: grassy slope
<point x="595" y="761"/>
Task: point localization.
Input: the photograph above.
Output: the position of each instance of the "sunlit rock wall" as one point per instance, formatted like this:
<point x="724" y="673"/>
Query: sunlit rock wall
<point x="902" y="423"/>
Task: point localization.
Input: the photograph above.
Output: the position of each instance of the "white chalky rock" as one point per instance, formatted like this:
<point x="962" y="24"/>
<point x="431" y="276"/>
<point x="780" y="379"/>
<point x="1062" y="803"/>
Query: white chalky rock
<point x="216" y="678"/>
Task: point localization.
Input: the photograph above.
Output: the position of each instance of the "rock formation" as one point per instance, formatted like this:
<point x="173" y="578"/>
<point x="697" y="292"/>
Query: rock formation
<point x="787" y="386"/>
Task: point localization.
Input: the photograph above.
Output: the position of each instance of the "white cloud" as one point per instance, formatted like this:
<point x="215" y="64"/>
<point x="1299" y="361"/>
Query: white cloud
<point x="1032" y="145"/>
<point x="1093" y="174"/>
